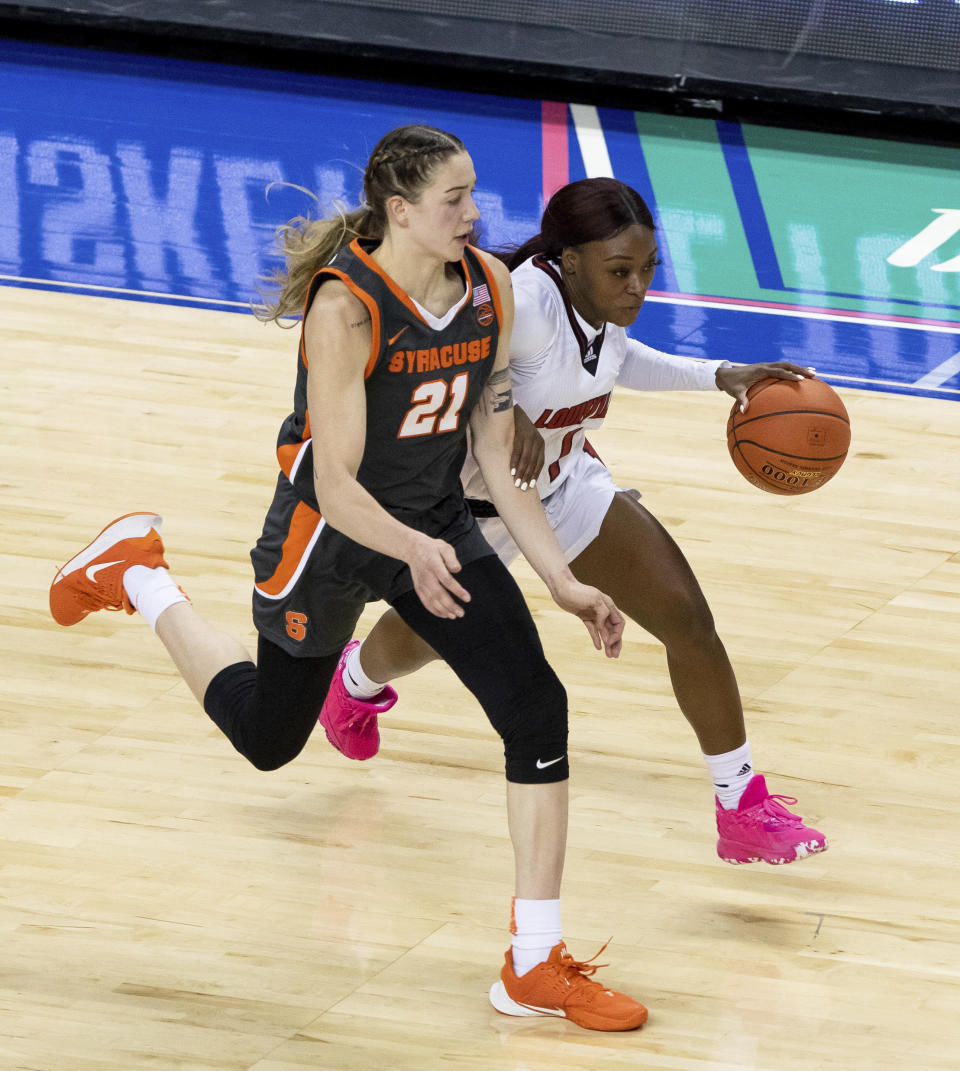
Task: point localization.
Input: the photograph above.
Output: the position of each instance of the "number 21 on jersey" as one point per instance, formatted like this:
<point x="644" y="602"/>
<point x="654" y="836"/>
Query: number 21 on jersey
<point x="424" y="416"/>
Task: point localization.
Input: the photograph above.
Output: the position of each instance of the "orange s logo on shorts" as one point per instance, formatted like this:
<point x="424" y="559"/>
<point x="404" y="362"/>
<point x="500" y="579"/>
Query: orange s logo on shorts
<point x="296" y="625"/>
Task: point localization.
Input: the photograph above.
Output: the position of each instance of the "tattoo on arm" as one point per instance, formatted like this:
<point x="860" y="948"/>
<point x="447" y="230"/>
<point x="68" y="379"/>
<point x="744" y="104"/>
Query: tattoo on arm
<point x="361" y="323"/>
<point x="498" y="395"/>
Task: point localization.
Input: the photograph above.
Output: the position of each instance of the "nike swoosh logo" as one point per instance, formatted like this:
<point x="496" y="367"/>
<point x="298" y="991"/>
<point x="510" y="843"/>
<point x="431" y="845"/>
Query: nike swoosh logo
<point x="390" y="341"/>
<point x="543" y="1011"/>
<point x="94" y="569"/>
<point x="552" y="762"/>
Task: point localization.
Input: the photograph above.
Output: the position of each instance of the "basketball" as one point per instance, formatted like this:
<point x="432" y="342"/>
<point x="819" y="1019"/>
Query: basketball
<point x="793" y="437"/>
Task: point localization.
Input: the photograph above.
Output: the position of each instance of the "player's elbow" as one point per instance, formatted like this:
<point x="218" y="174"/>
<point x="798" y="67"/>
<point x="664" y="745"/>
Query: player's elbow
<point x="331" y="483"/>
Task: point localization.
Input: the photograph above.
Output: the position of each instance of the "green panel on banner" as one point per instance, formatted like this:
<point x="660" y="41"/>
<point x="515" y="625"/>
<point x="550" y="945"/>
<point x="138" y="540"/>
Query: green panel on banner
<point x="838" y="208"/>
<point x="697" y="206"/>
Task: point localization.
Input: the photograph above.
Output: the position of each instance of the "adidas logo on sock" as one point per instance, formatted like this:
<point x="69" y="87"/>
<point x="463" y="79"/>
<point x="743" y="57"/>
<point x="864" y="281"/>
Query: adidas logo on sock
<point x="744" y="769"/>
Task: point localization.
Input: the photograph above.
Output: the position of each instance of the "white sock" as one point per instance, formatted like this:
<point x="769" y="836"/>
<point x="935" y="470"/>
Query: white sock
<point x="536" y="929"/>
<point x="357" y="683"/>
<point x="151" y="591"/>
<point x="731" y="773"/>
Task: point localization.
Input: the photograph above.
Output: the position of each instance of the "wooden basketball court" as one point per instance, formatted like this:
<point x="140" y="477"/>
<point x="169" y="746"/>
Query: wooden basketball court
<point x="164" y="906"/>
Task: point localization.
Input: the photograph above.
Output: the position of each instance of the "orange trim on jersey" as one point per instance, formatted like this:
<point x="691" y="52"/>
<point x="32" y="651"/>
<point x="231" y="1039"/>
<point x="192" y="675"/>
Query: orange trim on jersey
<point x="492" y="284"/>
<point x="303" y="318"/>
<point x="372" y="308"/>
<point x="303" y="524"/>
<point x="287" y="455"/>
<point x="401" y="295"/>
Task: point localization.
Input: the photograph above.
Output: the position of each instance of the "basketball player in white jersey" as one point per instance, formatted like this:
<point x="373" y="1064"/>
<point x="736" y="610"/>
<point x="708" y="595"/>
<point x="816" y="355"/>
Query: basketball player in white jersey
<point x="578" y="284"/>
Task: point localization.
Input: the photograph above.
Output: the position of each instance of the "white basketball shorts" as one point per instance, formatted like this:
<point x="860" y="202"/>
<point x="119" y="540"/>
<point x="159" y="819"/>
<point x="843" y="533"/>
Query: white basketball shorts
<point x="575" y="511"/>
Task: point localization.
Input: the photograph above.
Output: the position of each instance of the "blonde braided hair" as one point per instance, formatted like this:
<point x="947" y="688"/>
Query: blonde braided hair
<point x="402" y="162"/>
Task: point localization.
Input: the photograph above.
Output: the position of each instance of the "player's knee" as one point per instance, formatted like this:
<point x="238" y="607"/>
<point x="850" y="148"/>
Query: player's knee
<point x="269" y="756"/>
<point x="535" y="735"/>
<point x="231" y="701"/>
<point x="687" y="621"/>
<point x="700" y="626"/>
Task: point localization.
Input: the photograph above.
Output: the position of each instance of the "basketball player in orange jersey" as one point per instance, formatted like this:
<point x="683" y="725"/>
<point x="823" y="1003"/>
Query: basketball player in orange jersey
<point x="577" y="285"/>
<point x="404" y="345"/>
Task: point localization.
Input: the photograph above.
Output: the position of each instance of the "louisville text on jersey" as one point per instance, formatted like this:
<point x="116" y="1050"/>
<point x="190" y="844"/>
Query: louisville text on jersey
<point x="576" y="414"/>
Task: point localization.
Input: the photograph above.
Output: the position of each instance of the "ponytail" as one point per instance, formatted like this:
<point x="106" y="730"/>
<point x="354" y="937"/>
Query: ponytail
<point x="307" y="246"/>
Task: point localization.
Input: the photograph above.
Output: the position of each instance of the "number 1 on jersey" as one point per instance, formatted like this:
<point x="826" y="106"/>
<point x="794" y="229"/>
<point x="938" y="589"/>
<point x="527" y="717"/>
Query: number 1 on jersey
<point x="565" y="447"/>
<point x="428" y="400"/>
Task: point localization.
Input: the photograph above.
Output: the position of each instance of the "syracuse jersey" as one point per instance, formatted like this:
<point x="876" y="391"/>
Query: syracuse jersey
<point x="423" y="376"/>
<point x="422" y="382"/>
<point x="563" y="371"/>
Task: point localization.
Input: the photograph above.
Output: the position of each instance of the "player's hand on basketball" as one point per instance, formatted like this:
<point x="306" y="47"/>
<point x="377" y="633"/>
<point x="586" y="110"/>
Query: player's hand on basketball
<point x="526" y="461"/>
<point x="432" y="564"/>
<point x="597" y="611"/>
<point x="739" y="378"/>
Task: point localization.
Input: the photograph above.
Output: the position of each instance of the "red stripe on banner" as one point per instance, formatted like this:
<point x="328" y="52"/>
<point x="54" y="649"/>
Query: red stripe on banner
<point x="556" y="159"/>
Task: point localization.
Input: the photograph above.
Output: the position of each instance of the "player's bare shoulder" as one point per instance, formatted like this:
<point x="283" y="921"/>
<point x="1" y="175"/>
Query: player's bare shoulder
<point x="338" y="317"/>
<point x="499" y="270"/>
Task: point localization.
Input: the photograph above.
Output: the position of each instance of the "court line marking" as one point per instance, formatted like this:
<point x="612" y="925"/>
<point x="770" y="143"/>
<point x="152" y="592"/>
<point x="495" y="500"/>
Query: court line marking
<point x="936" y="376"/>
<point x="897" y="386"/>
<point x="691" y="301"/>
<point x="932" y="380"/>
<point x="808" y="314"/>
<point x="124" y="290"/>
<point x="790" y="307"/>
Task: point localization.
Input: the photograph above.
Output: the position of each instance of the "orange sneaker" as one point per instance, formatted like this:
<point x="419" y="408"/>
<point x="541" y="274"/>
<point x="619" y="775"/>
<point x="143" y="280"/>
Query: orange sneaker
<point x="93" y="580"/>
<point x="562" y="986"/>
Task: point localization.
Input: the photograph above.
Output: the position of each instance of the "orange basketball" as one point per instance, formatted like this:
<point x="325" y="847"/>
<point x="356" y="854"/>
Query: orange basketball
<point x="793" y="437"/>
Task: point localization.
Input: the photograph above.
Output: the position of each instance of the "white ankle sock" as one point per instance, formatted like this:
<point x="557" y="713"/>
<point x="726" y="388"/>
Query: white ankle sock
<point x="151" y="591"/>
<point x="731" y="773"/>
<point x="536" y="929"/>
<point x="357" y="683"/>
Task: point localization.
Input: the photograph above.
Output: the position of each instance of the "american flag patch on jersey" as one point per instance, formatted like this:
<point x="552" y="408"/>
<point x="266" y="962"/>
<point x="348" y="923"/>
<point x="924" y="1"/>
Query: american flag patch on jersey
<point x="481" y="295"/>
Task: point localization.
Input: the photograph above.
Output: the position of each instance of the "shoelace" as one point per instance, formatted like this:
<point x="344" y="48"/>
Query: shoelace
<point x="774" y="806"/>
<point x="89" y="603"/>
<point x="363" y="717"/>
<point x="579" y="972"/>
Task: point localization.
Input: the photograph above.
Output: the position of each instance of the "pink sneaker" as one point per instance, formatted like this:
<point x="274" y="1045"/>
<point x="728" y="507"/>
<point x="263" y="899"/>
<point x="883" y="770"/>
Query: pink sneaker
<point x="761" y="827"/>
<point x="351" y="724"/>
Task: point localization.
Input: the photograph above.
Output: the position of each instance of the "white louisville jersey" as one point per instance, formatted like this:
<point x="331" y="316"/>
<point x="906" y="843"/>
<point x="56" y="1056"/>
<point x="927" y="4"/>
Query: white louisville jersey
<point x="563" y="371"/>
